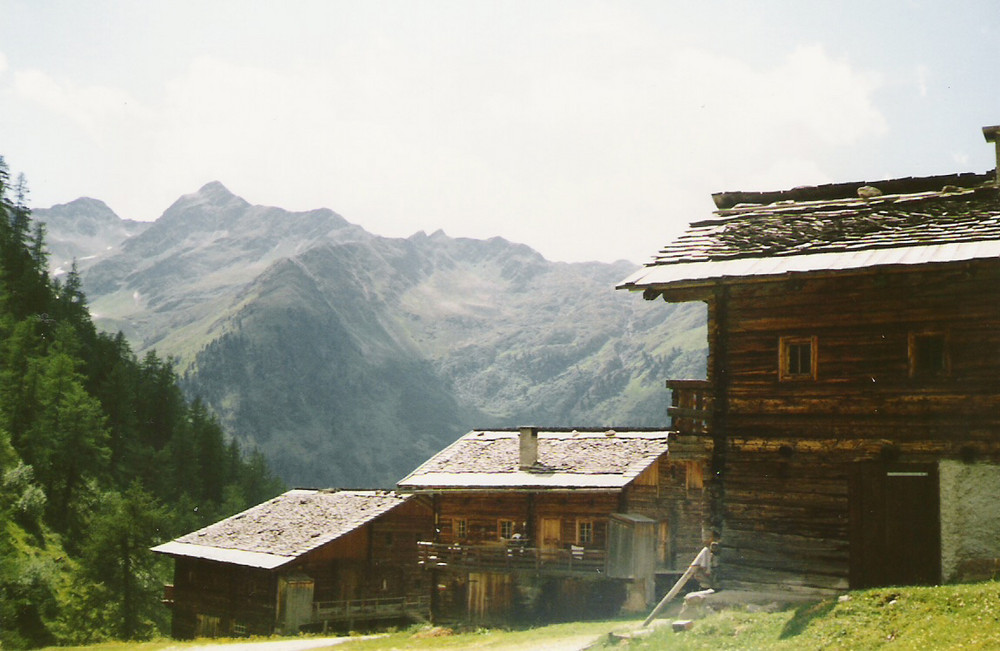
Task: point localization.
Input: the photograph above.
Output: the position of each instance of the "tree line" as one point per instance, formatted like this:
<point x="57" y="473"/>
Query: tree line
<point x="101" y="457"/>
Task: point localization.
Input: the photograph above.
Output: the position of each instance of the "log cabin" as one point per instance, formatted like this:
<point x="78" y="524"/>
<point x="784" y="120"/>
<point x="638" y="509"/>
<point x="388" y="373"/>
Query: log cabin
<point x="549" y="524"/>
<point x="853" y="392"/>
<point x="305" y="560"/>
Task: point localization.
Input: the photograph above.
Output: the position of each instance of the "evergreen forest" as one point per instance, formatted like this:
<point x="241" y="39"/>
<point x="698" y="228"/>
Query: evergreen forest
<point x="101" y="457"/>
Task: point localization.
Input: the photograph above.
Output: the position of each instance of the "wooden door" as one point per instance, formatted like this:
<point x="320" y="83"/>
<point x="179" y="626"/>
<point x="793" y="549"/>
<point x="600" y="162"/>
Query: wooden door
<point x="664" y="556"/>
<point x="895" y="523"/>
<point x="489" y="595"/>
<point x="551" y="533"/>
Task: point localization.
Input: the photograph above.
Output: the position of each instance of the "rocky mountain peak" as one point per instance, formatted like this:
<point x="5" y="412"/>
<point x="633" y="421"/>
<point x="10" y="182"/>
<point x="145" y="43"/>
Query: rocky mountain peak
<point x="214" y="190"/>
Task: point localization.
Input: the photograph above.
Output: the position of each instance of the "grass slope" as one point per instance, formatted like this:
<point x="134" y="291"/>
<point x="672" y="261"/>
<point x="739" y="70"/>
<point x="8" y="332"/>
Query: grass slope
<point x="947" y="617"/>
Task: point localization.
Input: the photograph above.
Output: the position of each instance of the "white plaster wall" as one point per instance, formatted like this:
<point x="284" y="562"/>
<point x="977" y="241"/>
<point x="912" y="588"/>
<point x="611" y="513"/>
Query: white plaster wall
<point x="970" y="514"/>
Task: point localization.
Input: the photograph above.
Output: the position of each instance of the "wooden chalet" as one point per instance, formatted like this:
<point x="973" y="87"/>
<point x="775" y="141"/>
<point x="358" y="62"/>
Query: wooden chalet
<point x="307" y="559"/>
<point x="853" y="392"/>
<point x="556" y="524"/>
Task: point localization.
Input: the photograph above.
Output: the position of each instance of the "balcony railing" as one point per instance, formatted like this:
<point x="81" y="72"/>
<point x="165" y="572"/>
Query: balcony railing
<point x="512" y="558"/>
<point x="376" y="608"/>
<point x="691" y="406"/>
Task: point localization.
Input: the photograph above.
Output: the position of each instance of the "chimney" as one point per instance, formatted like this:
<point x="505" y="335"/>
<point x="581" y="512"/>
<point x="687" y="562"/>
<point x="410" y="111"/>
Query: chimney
<point x="528" y="449"/>
<point x="992" y="134"/>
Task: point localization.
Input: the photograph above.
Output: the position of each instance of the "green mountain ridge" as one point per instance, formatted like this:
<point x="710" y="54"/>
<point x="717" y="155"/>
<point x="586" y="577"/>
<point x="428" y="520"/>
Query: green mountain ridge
<point x="349" y="358"/>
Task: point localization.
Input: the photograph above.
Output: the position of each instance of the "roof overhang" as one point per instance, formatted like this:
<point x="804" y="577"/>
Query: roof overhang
<point x="694" y="273"/>
<point x="232" y="556"/>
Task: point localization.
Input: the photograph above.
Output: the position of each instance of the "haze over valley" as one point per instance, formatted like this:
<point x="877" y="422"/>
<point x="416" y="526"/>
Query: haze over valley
<point x="348" y="358"/>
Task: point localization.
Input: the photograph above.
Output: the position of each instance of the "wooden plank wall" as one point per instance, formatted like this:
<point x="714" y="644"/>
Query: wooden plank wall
<point x="790" y="445"/>
<point x="671" y="500"/>
<point x="483" y="511"/>
<point x="376" y="560"/>
<point x="233" y="593"/>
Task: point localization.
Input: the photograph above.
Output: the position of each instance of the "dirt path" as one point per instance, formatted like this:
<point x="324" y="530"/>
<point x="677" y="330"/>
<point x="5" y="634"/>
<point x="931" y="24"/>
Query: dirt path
<point x="280" y="645"/>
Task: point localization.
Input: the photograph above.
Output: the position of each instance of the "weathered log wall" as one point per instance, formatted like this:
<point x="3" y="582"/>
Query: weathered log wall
<point x="789" y="448"/>
<point x="376" y="560"/>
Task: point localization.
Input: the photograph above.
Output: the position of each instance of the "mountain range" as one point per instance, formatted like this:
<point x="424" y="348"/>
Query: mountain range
<point x="348" y="358"/>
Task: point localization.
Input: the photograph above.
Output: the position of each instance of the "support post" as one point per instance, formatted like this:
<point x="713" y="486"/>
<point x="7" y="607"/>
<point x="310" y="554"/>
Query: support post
<point x="702" y="560"/>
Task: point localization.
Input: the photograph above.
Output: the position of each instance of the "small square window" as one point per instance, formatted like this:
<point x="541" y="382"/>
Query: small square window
<point x="506" y="529"/>
<point x="797" y="358"/>
<point x="584" y="532"/>
<point x="928" y="354"/>
<point x="460" y="528"/>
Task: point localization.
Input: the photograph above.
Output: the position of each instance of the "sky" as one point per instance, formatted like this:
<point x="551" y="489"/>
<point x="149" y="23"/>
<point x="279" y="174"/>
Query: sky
<point x="589" y="130"/>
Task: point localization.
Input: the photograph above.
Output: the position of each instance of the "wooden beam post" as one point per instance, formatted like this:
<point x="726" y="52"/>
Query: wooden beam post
<point x="702" y="560"/>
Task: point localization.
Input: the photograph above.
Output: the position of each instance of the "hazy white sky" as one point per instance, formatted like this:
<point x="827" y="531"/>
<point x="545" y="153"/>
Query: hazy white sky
<point x="587" y="130"/>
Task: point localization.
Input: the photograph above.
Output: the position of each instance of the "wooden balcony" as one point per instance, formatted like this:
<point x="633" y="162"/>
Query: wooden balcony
<point x="690" y="409"/>
<point x="512" y="558"/>
<point x="414" y="607"/>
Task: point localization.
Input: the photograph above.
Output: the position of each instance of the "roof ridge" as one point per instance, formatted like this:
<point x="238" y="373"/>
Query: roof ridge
<point x="833" y="191"/>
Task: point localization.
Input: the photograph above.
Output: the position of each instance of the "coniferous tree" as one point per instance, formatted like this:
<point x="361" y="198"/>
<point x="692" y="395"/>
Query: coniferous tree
<point x="93" y="440"/>
<point x="124" y="575"/>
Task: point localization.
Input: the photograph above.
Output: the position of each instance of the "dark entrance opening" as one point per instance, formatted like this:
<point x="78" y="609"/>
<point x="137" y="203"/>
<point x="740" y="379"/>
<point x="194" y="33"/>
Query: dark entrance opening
<point x="895" y="525"/>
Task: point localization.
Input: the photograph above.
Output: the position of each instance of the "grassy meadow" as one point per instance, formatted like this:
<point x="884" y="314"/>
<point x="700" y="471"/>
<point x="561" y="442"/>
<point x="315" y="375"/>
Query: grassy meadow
<point x="947" y="617"/>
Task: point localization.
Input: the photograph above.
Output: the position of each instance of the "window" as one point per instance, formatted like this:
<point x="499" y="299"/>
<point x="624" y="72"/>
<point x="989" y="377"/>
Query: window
<point x="506" y="529"/>
<point x="584" y="532"/>
<point x="928" y="354"/>
<point x="797" y="358"/>
<point x="694" y="475"/>
<point x="460" y="528"/>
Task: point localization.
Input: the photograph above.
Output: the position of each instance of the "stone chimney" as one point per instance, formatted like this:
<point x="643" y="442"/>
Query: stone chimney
<point x="992" y="134"/>
<point x="528" y="449"/>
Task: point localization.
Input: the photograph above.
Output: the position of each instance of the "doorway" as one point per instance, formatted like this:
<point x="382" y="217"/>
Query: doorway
<point x="895" y="525"/>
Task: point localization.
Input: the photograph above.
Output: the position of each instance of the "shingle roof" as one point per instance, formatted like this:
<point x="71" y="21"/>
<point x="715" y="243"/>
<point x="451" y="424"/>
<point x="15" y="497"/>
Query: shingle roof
<point x="566" y="459"/>
<point x="845" y="226"/>
<point x="282" y="529"/>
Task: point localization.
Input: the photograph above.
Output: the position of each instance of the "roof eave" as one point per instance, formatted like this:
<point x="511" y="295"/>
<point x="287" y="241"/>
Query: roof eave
<point x="258" y="560"/>
<point x="655" y="280"/>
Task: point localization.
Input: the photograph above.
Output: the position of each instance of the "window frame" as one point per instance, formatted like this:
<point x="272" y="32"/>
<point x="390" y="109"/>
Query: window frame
<point x="785" y="346"/>
<point x="914" y="357"/>
<point x="501" y="526"/>
<point x="460" y="528"/>
<point x="588" y="526"/>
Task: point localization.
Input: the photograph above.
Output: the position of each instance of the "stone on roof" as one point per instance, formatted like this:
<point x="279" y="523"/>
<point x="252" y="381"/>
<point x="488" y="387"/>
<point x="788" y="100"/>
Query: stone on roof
<point x="953" y="215"/>
<point x="295" y="522"/>
<point x="836" y="227"/>
<point x="492" y="457"/>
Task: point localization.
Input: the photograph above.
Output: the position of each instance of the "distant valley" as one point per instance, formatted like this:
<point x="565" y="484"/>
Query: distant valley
<point x="349" y="358"/>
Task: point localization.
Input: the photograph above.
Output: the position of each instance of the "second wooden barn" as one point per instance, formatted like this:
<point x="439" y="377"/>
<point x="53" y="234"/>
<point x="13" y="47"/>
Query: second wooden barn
<point x="552" y="524"/>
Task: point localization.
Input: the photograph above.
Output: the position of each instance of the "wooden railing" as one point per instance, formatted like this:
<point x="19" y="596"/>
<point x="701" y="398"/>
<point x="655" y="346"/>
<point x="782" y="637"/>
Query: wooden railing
<point x="374" y="608"/>
<point x="510" y="558"/>
<point x="691" y="406"/>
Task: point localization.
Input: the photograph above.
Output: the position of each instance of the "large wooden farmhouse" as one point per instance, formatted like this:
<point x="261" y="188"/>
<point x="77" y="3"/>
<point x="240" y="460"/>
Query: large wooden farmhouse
<point x="555" y="524"/>
<point x="306" y="559"/>
<point x="853" y="391"/>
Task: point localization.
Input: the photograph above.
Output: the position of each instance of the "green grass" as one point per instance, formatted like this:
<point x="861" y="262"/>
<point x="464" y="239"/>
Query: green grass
<point x="948" y="617"/>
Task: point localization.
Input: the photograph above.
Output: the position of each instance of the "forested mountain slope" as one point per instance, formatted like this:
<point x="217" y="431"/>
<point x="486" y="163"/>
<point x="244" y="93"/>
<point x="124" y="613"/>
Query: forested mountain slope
<point x="100" y="457"/>
<point x="348" y="358"/>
